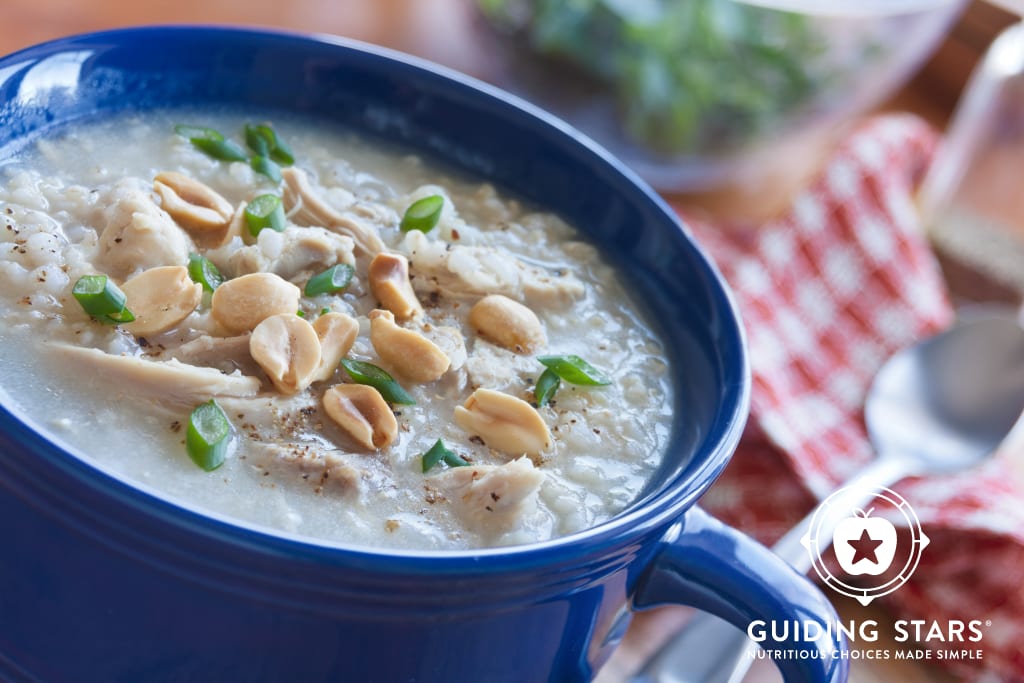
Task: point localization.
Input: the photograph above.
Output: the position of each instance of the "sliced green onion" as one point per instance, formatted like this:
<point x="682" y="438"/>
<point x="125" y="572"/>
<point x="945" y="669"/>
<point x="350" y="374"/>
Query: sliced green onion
<point x="208" y="435"/>
<point x="223" y="150"/>
<point x="264" y="141"/>
<point x="547" y="385"/>
<point x="98" y="295"/>
<point x="257" y="140"/>
<point x="203" y="271"/>
<point x="334" y="279"/>
<point x="102" y="299"/>
<point x="282" y="153"/>
<point x="423" y="214"/>
<point x="439" y="453"/>
<point x="301" y="313"/>
<point x="212" y="143"/>
<point x="122" y="316"/>
<point x="262" y="164"/>
<point x="362" y="372"/>
<point x="574" y="370"/>
<point x="265" y="211"/>
<point x="324" y="310"/>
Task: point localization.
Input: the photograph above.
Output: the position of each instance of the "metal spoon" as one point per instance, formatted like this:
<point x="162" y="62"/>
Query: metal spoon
<point x="939" y="406"/>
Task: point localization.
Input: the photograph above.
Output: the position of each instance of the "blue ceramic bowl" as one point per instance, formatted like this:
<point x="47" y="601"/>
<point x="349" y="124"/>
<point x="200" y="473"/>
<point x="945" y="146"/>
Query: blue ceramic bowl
<point x="102" y="582"/>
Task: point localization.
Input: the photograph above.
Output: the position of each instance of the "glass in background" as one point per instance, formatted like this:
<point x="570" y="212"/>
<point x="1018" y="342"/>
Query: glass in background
<point x="973" y="198"/>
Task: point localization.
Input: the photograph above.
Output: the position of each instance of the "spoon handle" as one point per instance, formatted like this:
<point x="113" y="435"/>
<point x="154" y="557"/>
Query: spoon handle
<point x="709" y="650"/>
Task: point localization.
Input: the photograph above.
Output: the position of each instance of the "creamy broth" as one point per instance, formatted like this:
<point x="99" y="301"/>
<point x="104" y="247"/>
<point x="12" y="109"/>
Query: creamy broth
<point x="291" y="467"/>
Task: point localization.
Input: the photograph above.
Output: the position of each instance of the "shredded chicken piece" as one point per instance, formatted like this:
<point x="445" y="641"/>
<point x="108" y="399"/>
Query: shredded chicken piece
<point x="450" y="341"/>
<point x="295" y="254"/>
<point x="478" y="271"/>
<point x="492" y="366"/>
<point x="138" y="234"/>
<point x="305" y="206"/>
<point x="378" y="214"/>
<point x="311" y="450"/>
<point x="266" y="417"/>
<point x="327" y="471"/>
<point x="491" y="496"/>
<point x="226" y="354"/>
<point x="170" y="381"/>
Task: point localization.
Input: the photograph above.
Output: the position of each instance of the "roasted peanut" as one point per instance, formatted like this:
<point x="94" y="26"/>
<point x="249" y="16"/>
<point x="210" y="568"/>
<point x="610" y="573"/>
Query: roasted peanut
<point x="160" y="298"/>
<point x="337" y="333"/>
<point x="507" y="323"/>
<point x="236" y="227"/>
<point x="389" y="283"/>
<point x="505" y="423"/>
<point x="288" y="350"/>
<point x="193" y="205"/>
<point x="407" y="352"/>
<point x="363" y="413"/>
<point x="241" y="304"/>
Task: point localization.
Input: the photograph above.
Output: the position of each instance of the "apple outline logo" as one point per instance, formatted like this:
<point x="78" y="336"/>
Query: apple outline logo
<point x="860" y="534"/>
<point x="824" y="529"/>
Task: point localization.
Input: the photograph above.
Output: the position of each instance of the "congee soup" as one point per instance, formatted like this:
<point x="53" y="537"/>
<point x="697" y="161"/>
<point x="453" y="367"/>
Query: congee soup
<point x="289" y="327"/>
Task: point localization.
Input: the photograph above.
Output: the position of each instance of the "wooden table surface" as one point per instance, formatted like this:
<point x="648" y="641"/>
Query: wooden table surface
<point x="443" y="31"/>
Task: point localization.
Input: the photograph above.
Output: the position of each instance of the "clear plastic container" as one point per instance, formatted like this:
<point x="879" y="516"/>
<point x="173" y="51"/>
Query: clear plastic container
<point x="695" y="94"/>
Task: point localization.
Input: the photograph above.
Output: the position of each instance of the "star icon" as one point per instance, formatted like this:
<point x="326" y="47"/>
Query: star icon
<point x="865" y="548"/>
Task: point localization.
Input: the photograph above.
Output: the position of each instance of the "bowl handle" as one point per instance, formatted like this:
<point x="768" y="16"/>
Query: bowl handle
<point x="713" y="567"/>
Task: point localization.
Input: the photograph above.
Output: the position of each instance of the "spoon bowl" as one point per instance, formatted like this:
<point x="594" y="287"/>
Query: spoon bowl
<point x="946" y="403"/>
<point x="942" y="405"/>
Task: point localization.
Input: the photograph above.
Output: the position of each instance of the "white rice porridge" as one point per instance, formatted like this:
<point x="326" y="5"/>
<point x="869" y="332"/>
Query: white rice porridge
<point x="307" y="458"/>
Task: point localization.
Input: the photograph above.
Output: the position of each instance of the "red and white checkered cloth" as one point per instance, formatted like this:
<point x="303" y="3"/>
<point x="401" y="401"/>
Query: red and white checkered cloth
<point x="827" y="293"/>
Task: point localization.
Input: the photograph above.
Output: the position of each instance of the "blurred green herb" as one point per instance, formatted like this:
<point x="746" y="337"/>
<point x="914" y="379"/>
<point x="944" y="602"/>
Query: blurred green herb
<point x="687" y="75"/>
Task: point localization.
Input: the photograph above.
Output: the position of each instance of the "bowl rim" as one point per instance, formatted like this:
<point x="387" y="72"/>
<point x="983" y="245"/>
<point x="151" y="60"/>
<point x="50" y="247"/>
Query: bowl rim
<point x="656" y="513"/>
